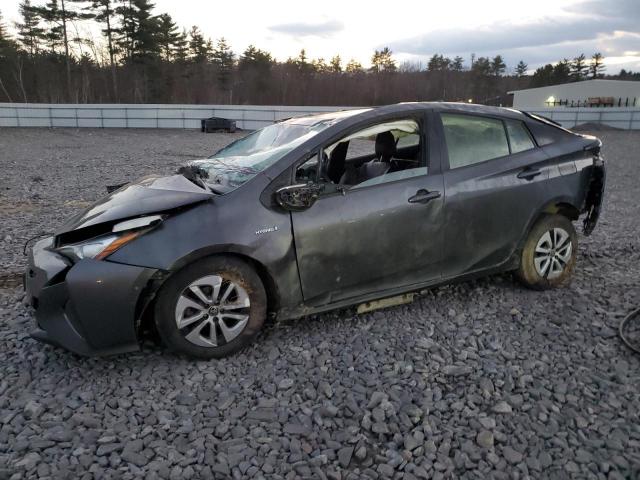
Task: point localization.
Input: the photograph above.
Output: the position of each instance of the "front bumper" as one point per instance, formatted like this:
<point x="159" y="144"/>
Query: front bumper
<point x="90" y="307"/>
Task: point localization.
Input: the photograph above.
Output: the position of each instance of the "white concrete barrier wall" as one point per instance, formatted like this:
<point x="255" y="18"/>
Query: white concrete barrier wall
<point x="249" y="117"/>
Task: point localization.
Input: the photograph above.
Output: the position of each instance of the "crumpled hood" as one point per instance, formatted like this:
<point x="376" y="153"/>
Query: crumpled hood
<point x="148" y="195"/>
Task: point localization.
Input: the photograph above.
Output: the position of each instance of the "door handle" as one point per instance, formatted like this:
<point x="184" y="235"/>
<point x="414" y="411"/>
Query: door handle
<point x="529" y="173"/>
<point x="424" y="196"/>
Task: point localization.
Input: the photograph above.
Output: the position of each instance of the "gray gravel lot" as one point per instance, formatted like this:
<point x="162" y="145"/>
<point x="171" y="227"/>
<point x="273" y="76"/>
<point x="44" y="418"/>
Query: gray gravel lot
<point x="481" y="379"/>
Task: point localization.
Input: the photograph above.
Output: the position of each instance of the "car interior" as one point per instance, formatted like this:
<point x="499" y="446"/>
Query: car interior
<point x="377" y="154"/>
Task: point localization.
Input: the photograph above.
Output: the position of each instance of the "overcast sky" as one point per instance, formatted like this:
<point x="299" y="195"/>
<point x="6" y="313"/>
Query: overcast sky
<point x="537" y="32"/>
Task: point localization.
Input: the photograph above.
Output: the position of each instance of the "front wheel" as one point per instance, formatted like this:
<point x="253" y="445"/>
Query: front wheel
<point x="211" y="308"/>
<point x="549" y="253"/>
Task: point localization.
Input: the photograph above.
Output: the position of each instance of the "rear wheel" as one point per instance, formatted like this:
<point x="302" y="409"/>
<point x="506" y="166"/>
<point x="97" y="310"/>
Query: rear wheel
<point x="211" y="308"/>
<point x="549" y="253"/>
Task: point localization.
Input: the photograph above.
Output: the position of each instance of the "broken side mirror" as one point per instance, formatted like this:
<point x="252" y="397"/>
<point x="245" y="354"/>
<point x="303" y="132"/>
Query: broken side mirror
<point x="298" y="197"/>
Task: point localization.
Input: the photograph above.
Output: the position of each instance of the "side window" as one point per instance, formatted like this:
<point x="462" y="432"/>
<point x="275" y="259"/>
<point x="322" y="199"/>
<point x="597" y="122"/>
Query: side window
<point x="307" y="171"/>
<point x="360" y="147"/>
<point x="377" y="154"/>
<point x="546" y="134"/>
<point x="471" y="139"/>
<point x="518" y="136"/>
<point x="409" y="140"/>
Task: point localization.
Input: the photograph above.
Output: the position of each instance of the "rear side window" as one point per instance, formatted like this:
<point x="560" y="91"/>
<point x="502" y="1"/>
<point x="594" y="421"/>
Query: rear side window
<point x="472" y="139"/>
<point x="518" y="136"/>
<point x="546" y="134"/>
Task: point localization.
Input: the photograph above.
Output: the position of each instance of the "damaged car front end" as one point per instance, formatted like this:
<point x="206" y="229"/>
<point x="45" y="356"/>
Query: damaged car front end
<point x="83" y="301"/>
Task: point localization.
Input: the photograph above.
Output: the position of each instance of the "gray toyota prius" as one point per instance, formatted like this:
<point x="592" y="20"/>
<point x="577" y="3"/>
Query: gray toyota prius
<point x="358" y="207"/>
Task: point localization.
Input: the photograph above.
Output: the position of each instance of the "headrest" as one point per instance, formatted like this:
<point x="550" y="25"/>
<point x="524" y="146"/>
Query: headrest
<point x="385" y="146"/>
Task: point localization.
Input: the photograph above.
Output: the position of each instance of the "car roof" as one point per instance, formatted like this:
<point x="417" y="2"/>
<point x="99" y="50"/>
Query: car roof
<point x="364" y="113"/>
<point x="327" y="118"/>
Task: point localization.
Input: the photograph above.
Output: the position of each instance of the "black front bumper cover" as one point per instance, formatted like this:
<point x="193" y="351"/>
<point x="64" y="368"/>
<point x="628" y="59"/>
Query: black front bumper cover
<point x="89" y="307"/>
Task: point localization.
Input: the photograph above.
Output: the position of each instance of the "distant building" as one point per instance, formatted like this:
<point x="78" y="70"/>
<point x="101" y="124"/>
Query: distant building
<point x="589" y="93"/>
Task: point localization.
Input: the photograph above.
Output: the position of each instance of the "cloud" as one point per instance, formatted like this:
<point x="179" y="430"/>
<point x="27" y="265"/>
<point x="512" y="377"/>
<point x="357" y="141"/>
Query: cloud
<point x="589" y="26"/>
<point x="308" y="29"/>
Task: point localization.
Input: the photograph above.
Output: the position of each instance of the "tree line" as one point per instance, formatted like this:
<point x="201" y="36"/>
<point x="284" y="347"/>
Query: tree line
<point x="142" y="56"/>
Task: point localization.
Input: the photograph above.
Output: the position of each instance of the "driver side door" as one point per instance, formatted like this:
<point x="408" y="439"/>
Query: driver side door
<point x="377" y="236"/>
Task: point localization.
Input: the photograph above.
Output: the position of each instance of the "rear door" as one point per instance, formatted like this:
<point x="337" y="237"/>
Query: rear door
<point x="495" y="180"/>
<point x="372" y="237"/>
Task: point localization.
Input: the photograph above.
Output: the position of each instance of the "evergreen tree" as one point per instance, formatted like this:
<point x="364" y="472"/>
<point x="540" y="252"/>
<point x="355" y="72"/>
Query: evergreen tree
<point x="181" y="47"/>
<point x="8" y="49"/>
<point x="168" y="36"/>
<point x="254" y="58"/>
<point x="388" y="63"/>
<point x="353" y="67"/>
<point x="596" y="68"/>
<point x="138" y="34"/>
<point x="53" y="35"/>
<point x="543" y="76"/>
<point x="7" y="44"/>
<point x="457" y="64"/>
<point x="199" y="49"/>
<point x="103" y="13"/>
<point x="382" y="61"/>
<point x="223" y="58"/>
<point x="521" y="68"/>
<point x="482" y="67"/>
<point x="301" y="60"/>
<point x="561" y="72"/>
<point x="254" y="67"/>
<point x="578" y="68"/>
<point x="145" y="34"/>
<point x="552" y="74"/>
<point x="125" y="32"/>
<point x="335" y="65"/>
<point x="438" y="63"/>
<point x="319" y="65"/>
<point x="58" y="16"/>
<point x="498" y="67"/>
<point x="30" y="33"/>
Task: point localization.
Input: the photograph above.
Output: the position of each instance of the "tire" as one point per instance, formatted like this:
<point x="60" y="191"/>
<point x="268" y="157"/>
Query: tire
<point x="549" y="253"/>
<point x="211" y="328"/>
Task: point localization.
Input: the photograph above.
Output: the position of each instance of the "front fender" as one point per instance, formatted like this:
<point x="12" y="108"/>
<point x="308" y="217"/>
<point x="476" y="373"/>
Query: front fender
<point x="210" y="229"/>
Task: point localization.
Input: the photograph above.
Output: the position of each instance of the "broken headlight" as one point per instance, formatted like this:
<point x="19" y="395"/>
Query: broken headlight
<point x="101" y="247"/>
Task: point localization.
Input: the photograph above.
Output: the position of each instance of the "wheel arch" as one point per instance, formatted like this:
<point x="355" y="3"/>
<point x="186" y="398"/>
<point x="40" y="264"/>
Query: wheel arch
<point x="558" y="206"/>
<point x="241" y="253"/>
<point x="147" y="299"/>
<point x="561" y="207"/>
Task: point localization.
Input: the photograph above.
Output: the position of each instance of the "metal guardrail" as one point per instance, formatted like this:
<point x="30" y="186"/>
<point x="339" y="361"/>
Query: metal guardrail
<point x="248" y="117"/>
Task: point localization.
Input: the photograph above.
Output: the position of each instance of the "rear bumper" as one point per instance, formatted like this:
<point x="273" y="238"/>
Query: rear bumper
<point x="90" y="307"/>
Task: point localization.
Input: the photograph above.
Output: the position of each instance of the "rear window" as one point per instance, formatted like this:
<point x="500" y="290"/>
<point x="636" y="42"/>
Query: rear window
<point x="471" y="139"/>
<point x="518" y="136"/>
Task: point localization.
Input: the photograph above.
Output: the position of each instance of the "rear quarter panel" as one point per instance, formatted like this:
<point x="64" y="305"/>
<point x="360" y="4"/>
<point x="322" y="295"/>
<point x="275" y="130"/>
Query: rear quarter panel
<point x="570" y="172"/>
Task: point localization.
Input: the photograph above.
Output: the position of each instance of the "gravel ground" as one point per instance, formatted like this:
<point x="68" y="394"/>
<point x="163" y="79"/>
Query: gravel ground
<point x="481" y="379"/>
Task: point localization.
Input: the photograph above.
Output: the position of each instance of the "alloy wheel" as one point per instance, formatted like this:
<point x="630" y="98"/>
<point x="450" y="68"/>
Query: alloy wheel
<point x="553" y="253"/>
<point x="212" y="311"/>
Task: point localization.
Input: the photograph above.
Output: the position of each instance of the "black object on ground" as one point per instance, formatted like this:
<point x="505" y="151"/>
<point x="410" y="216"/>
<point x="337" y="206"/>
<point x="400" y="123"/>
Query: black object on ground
<point x="214" y="124"/>
<point x="630" y="330"/>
